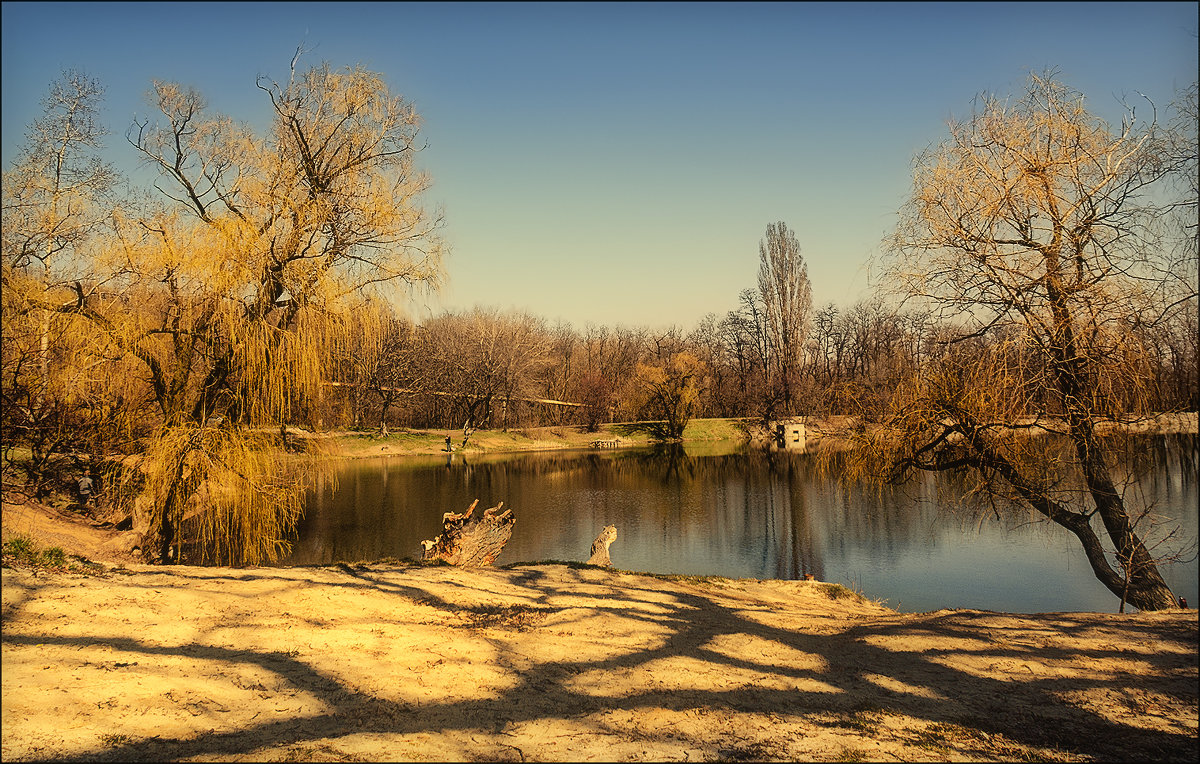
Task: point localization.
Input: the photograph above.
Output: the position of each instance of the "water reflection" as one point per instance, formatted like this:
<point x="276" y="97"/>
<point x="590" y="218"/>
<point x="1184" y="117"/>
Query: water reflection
<point x="741" y="513"/>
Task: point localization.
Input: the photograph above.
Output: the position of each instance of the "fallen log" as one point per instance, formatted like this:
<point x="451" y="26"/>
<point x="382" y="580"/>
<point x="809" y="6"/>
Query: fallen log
<point x="471" y="544"/>
<point x="600" y="546"/>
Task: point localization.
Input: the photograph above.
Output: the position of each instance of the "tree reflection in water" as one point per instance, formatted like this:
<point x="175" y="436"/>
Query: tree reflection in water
<point x="742" y="513"/>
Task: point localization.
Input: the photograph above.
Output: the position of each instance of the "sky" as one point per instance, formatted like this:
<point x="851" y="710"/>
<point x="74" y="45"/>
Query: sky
<point x="618" y="164"/>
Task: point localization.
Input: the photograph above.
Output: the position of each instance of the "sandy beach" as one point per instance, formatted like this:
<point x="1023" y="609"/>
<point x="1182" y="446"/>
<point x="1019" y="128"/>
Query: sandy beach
<point x="567" y="663"/>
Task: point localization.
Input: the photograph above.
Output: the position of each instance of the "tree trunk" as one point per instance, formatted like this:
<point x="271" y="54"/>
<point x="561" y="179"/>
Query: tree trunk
<point x="385" y="404"/>
<point x="471" y="544"/>
<point x="1141" y="585"/>
<point x="600" y="547"/>
<point x="168" y="551"/>
<point x="468" y="431"/>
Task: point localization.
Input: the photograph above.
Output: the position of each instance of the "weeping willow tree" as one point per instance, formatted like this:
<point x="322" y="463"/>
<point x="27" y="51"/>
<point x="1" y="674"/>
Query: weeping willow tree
<point x="58" y="199"/>
<point x="1043" y="240"/>
<point x="231" y="290"/>
<point x="370" y="361"/>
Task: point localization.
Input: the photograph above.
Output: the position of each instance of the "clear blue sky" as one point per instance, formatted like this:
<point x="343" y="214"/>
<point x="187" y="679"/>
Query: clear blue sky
<point x="619" y="163"/>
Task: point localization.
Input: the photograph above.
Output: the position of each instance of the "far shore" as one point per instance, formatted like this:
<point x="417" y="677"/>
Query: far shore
<point x="822" y="431"/>
<point x="54" y="523"/>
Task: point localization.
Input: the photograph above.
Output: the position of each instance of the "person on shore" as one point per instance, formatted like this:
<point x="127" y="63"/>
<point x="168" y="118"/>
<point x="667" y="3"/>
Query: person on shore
<point x="84" y="489"/>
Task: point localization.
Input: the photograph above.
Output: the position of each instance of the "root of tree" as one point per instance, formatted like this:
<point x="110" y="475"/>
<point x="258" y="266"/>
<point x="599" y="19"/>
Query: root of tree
<point x="471" y="544"/>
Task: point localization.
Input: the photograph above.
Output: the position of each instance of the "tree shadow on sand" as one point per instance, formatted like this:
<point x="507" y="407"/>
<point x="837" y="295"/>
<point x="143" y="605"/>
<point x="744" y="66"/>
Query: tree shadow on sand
<point x="826" y="685"/>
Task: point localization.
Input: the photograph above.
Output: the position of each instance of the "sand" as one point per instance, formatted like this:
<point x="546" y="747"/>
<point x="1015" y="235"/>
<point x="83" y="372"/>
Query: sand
<point x="557" y="663"/>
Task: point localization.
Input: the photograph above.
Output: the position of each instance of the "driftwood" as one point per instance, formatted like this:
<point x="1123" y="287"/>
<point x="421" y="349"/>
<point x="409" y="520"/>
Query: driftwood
<point x="600" y="546"/>
<point x="471" y="544"/>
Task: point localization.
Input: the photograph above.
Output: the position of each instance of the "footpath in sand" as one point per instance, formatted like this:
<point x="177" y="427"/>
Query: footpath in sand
<point x="567" y="663"/>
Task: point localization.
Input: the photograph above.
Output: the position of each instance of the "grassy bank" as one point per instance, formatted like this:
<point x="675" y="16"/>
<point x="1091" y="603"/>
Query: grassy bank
<point x="623" y="434"/>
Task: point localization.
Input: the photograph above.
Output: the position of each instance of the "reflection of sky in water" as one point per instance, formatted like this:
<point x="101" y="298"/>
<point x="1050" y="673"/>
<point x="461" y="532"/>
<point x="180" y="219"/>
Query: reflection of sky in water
<point x="739" y="515"/>
<point x="1034" y="570"/>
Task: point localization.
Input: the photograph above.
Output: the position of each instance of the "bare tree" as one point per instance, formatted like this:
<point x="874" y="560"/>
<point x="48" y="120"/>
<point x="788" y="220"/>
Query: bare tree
<point x="595" y="393"/>
<point x="628" y="347"/>
<point x="744" y="333"/>
<point x="787" y="300"/>
<point x="561" y="374"/>
<point x="482" y="360"/>
<point x="720" y="396"/>
<point x="605" y="385"/>
<point x="1036" y="233"/>
<point x="397" y="376"/>
<point x="58" y="200"/>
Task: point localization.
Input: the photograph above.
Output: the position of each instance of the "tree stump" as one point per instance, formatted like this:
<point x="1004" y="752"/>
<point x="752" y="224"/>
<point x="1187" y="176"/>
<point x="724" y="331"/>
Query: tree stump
<point x="471" y="544"/>
<point x="600" y="546"/>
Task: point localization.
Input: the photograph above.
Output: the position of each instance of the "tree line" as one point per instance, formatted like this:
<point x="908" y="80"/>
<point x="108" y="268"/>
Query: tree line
<point x="513" y="370"/>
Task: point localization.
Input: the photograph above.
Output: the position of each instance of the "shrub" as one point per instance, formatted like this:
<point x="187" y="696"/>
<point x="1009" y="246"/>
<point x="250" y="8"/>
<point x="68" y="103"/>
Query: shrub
<point x="22" y="548"/>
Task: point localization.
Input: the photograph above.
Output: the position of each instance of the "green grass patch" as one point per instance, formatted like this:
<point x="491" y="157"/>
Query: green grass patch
<point x="572" y="564"/>
<point x="22" y="549"/>
<point x="715" y="429"/>
<point x="713" y="582"/>
<point x="724" y="435"/>
<point x="412" y="437"/>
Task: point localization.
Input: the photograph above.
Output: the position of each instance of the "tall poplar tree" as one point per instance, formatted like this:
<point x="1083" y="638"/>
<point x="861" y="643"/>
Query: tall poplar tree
<point x="786" y="296"/>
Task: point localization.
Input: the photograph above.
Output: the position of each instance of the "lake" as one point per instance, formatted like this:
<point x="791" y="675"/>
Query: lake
<point x="726" y="510"/>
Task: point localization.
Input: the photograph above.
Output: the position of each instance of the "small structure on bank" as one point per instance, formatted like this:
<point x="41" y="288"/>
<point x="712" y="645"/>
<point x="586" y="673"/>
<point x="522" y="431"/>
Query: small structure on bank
<point x="788" y="434"/>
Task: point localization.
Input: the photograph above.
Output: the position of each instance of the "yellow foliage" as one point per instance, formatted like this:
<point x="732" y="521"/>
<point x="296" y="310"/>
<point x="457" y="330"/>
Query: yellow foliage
<point x="227" y="302"/>
<point x="670" y="391"/>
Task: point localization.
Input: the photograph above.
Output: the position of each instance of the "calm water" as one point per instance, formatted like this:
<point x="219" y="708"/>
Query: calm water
<point x="744" y="514"/>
